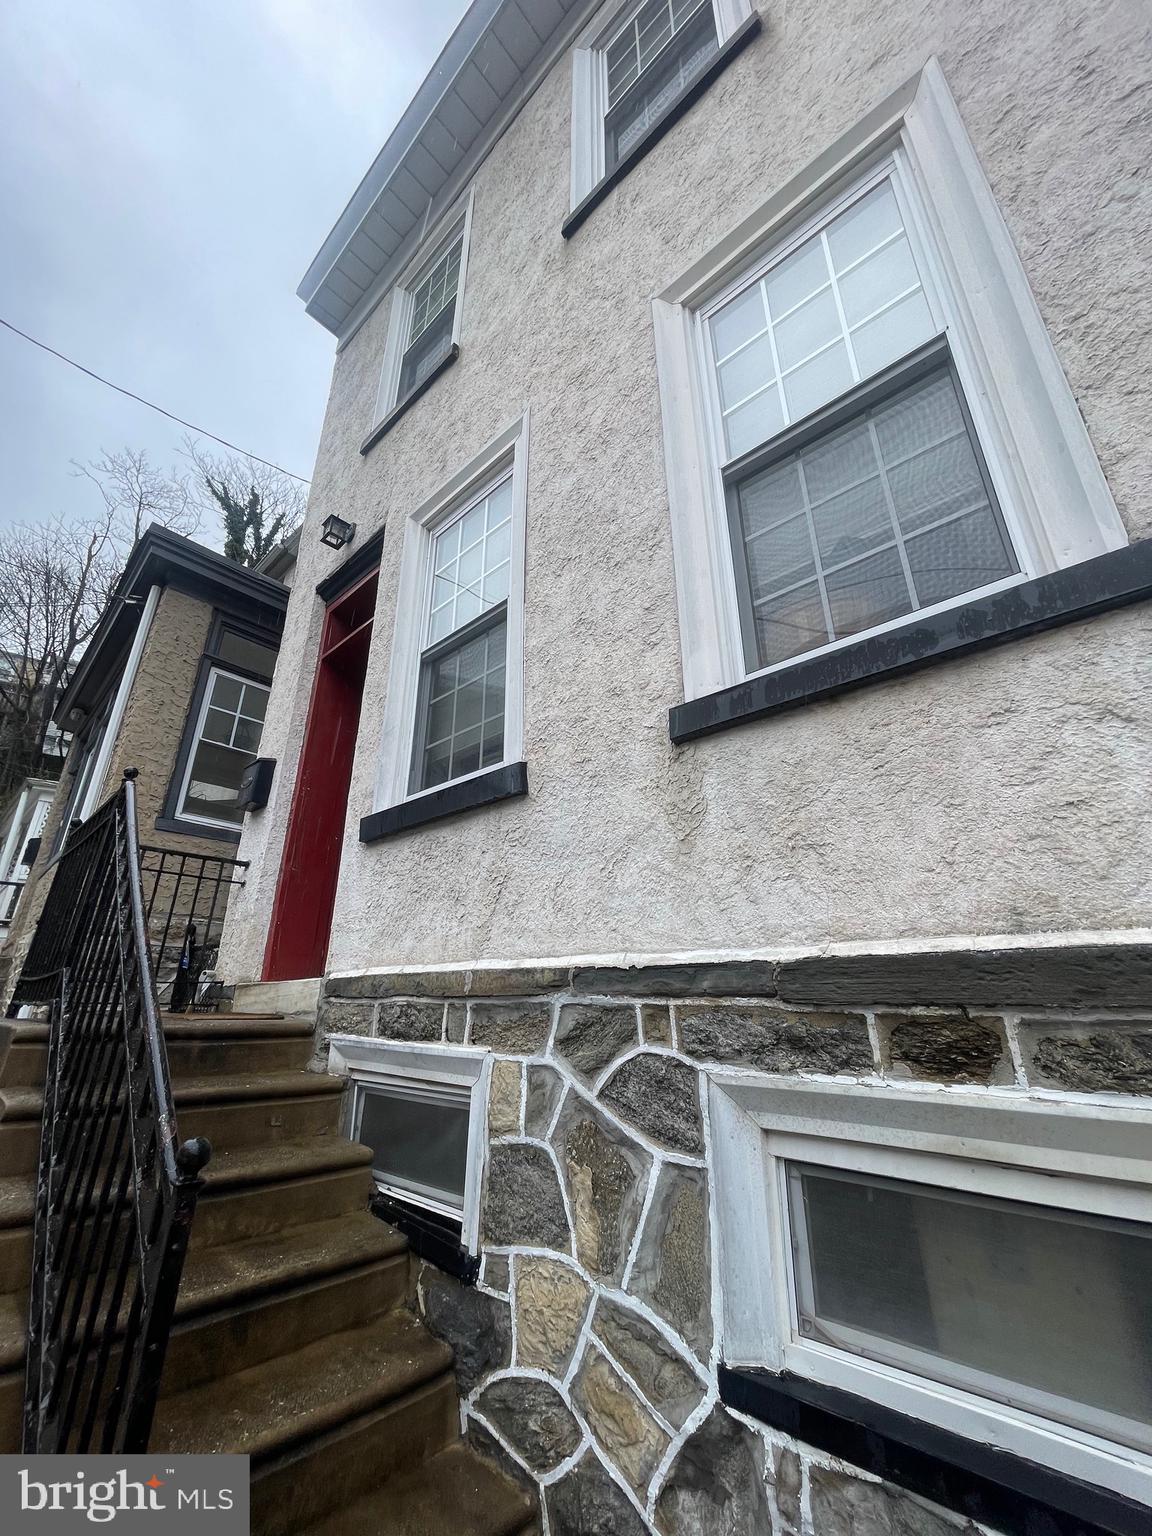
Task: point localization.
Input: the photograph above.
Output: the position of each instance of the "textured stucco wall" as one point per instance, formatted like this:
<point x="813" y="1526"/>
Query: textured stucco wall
<point x="148" y="740"/>
<point x="1003" y="793"/>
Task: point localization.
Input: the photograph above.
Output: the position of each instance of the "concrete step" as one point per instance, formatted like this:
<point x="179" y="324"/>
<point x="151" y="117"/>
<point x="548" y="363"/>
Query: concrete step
<point x="455" y="1491"/>
<point x="226" y="1055"/>
<point x="235" y="1338"/>
<point x="251" y="1192"/>
<point x="237" y="1210"/>
<point x="283" y="1402"/>
<point x="239" y="1272"/>
<point x="21" y="1102"/>
<point x="247" y="1303"/>
<point x="337" y="1468"/>
<point x="261" y="1123"/>
<point x="25" y="1063"/>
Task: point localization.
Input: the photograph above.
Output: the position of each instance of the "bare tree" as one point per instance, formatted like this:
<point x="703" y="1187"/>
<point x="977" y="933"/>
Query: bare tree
<point x="136" y="492"/>
<point x="259" y="506"/>
<point x="56" y="578"/>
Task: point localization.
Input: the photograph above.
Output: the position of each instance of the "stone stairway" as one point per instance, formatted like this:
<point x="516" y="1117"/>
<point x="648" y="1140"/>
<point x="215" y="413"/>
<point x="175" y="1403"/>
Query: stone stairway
<point x="293" y="1341"/>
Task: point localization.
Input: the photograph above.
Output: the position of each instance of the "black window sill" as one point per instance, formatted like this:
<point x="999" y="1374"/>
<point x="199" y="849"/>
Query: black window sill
<point x="434" y="1238"/>
<point x="196" y="829"/>
<point x="989" y="1485"/>
<point x="383" y="428"/>
<point x="672" y="114"/>
<point x="504" y="783"/>
<point x="1094" y="586"/>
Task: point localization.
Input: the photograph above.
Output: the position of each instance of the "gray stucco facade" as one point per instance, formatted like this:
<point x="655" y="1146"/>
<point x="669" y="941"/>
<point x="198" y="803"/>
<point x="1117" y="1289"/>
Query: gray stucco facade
<point x="1000" y="794"/>
<point x="940" y="882"/>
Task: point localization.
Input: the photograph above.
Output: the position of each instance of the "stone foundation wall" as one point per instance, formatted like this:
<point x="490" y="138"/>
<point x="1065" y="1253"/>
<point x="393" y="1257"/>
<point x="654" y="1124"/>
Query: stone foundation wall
<point x="588" y="1350"/>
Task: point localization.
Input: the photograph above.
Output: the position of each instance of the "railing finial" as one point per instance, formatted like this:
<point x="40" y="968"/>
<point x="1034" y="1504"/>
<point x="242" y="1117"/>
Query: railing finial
<point x="131" y="773"/>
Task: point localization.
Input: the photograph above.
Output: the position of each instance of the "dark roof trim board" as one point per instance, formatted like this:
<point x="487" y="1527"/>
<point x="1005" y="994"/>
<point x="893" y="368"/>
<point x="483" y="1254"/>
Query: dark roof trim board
<point x="489" y="67"/>
<point x="165" y="559"/>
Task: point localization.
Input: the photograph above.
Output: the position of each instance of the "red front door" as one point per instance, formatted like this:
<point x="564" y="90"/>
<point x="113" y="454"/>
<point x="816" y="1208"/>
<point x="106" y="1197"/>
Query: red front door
<point x="306" y="890"/>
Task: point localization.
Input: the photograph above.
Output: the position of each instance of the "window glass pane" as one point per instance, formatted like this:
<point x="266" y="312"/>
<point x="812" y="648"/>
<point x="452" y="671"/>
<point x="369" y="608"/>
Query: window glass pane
<point x="790" y="624"/>
<point x="435" y="292"/>
<point x="738" y="321"/>
<point x="746" y="372"/>
<point x="650" y="72"/>
<point x="249" y="654"/>
<point x="823" y="378"/>
<point x="878" y="280"/>
<point x="247" y="735"/>
<point x="797" y="278"/>
<point x="226" y="691"/>
<point x="462" y="696"/>
<point x="904" y="477"/>
<point x="750" y="424"/>
<point x="470" y="561"/>
<point x="958" y="556"/>
<point x="1024" y="1302"/>
<point x="871" y="591"/>
<point x="870" y="221"/>
<point x="893" y="334"/>
<point x="214" y="783"/>
<point x="218" y="726"/>
<point x="807" y="329"/>
<point x="419" y="1144"/>
<point x="826" y="311"/>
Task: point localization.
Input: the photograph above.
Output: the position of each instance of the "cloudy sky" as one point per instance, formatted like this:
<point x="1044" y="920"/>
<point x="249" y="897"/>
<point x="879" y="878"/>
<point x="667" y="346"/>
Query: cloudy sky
<point x="168" y="168"/>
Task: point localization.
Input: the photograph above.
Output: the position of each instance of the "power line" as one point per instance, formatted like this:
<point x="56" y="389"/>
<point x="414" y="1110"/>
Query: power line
<point x="120" y="390"/>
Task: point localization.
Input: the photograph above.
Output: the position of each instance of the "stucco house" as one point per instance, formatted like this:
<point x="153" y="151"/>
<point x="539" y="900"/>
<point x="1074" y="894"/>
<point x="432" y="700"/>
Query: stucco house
<point x="174" y="684"/>
<point x="710" y="820"/>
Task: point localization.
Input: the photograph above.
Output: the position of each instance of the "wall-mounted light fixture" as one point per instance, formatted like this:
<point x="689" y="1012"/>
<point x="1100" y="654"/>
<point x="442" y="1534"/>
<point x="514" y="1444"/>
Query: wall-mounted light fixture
<point x="337" y="532"/>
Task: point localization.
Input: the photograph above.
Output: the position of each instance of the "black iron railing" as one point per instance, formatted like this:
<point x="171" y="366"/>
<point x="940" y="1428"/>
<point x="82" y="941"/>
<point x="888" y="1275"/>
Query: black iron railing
<point x="185" y="903"/>
<point x="115" y="1193"/>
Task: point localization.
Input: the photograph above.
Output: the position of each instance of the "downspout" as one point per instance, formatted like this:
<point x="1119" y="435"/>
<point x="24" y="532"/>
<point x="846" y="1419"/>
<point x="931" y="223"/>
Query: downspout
<point x="93" y="795"/>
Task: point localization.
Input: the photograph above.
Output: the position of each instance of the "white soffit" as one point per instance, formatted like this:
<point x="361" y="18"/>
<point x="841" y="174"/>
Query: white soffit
<point x="485" y="68"/>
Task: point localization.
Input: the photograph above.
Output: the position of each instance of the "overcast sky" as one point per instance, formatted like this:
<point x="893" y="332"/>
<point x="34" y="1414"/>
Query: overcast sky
<point x="168" y="169"/>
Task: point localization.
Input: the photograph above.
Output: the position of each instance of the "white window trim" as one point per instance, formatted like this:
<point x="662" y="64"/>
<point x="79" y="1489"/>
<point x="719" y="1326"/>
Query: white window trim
<point x="508" y="450"/>
<point x="368" y="1062"/>
<point x="214" y="670"/>
<point x="1051" y="488"/>
<point x="590" y="85"/>
<point x="456" y="224"/>
<point x="1092" y="1156"/>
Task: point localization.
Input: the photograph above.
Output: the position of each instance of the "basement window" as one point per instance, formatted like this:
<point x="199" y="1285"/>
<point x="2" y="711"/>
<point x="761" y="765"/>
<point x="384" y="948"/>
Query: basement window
<point x="974" y="1262"/>
<point x="422" y="1109"/>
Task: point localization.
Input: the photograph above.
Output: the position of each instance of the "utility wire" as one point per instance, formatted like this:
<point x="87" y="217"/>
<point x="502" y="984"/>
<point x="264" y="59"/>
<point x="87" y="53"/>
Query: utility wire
<point x="120" y="390"/>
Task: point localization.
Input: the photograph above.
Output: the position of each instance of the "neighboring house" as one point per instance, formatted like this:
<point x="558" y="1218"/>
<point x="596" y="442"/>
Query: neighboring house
<point x="174" y="684"/>
<point x="21" y="827"/>
<point x="713" y="734"/>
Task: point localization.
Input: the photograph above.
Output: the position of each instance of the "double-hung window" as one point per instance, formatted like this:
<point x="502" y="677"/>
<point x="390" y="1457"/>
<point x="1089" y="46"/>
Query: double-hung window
<point x="460" y="708"/>
<point x="224" y="731"/>
<point x="648" y="61"/>
<point x="432" y="319"/>
<point x="424" y="321"/>
<point x="865" y="422"/>
<point x="845" y="519"/>
<point x="454" y="710"/>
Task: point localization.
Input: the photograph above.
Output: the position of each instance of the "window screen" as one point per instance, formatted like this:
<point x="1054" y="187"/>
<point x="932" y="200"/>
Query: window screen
<point x="1024" y="1303"/>
<point x="433" y="315"/>
<point x="418" y="1133"/>
<point x="649" y="62"/>
<point x="886" y="515"/>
